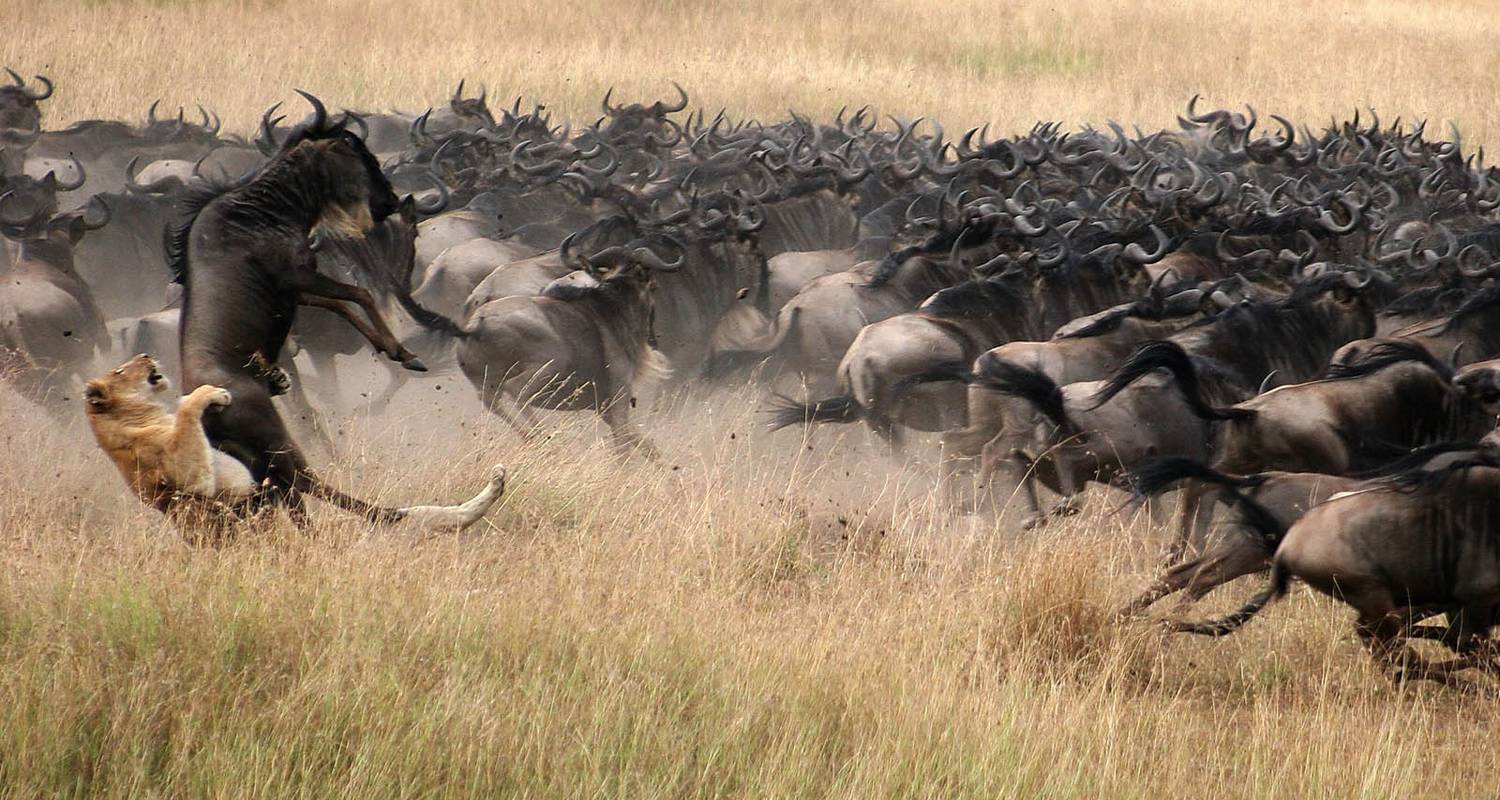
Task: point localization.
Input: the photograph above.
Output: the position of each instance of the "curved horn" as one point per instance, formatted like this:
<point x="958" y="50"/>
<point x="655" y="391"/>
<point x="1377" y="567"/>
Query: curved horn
<point x="649" y="258"/>
<point x="1138" y="254"/>
<point x="438" y="204"/>
<point x="320" y="114"/>
<point x="609" y="110"/>
<point x="359" y="122"/>
<point x="1266" y="381"/>
<point x="1329" y="223"/>
<point x="80" y="178"/>
<point x="34" y="96"/>
<point x="13" y="214"/>
<point x="130" y="172"/>
<point x="96" y="214"/>
<point x="682" y="101"/>
<point x="1484" y="265"/>
<point x="266" y="142"/>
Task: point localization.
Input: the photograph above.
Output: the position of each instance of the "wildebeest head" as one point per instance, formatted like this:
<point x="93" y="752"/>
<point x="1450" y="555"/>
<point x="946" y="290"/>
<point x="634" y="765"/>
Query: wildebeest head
<point x="475" y="109"/>
<point x="643" y="125"/>
<point x="20" y="117"/>
<point x="356" y="192"/>
<point x="23" y="199"/>
<point x="64" y="230"/>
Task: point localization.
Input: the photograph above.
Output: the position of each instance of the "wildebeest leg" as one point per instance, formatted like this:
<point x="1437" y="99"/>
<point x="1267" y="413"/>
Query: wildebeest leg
<point x="1233" y="557"/>
<point x="320" y="291"/>
<point x="626" y="437"/>
<point x="1383" y="627"/>
<point x="1192" y="517"/>
<point x="889" y="432"/>
<point x="1025" y="474"/>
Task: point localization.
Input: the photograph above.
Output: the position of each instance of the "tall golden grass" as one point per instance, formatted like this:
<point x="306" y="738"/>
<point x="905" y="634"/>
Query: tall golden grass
<point x="1010" y="63"/>
<point x="755" y="616"/>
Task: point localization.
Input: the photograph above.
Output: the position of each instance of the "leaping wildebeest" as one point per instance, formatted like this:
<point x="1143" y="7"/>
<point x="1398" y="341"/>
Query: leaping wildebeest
<point x="247" y="257"/>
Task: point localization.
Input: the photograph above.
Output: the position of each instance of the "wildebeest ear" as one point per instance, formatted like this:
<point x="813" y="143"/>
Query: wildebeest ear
<point x="408" y="210"/>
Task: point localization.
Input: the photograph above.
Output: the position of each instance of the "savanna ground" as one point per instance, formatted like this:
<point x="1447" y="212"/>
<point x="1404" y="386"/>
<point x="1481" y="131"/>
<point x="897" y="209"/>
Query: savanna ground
<point x="757" y="615"/>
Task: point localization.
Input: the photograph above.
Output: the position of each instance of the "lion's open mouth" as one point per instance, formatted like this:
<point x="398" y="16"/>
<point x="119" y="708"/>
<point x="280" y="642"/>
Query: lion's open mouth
<point x="155" y="378"/>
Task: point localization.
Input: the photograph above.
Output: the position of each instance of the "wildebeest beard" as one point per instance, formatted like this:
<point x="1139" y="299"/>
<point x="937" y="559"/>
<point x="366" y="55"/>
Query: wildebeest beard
<point x="246" y="262"/>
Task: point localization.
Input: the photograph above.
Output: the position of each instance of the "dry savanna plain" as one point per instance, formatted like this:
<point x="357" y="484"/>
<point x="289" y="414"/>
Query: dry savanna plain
<point x="756" y="615"/>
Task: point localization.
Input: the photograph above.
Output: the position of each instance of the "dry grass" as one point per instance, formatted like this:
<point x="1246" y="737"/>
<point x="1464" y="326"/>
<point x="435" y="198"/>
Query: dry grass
<point x="1009" y="62"/>
<point x="752" y="618"/>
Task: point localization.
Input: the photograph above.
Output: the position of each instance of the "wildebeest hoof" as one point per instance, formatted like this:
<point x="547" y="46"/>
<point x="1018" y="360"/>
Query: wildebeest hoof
<point x="1033" y="522"/>
<point x="275" y="378"/>
<point x="277" y="381"/>
<point x="414" y="364"/>
<point x="1067" y="508"/>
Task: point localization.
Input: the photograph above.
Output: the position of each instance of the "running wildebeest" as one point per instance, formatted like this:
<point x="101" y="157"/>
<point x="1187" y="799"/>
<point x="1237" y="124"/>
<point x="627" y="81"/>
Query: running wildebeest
<point x="247" y="257"/>
<point x="50" y="325"/>
<point x="1423" y="540"/>
<point x="580" y="344"/>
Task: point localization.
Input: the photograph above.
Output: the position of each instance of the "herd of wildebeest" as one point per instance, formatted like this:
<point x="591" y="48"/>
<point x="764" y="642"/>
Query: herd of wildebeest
<point x="1301" y="327"/>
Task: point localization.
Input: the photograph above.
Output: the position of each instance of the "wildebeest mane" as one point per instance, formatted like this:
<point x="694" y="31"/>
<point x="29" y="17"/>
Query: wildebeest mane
<point x="608" y="291"/>
<point x="187" y="206"/>
<point x="1151" y="308"/>
<point x="1290" y="328"/>
<point x="1483" y="301"/>
<point x="1419" y="480"/>
<point x="1427" y="300"/>
<point x="1387" y="354"/>
<point x="972" y="299"/>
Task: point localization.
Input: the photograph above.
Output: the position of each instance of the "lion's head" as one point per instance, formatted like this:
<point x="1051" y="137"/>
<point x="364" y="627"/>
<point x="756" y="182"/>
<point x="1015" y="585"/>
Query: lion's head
<point x="139" y="380"/>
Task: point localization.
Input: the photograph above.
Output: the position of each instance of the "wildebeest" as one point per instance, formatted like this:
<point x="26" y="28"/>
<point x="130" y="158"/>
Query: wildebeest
<point x="20" y="119"/>
<point x="380" y="262"/>
<point x="1470" y="332"/>
<point x="247" y="256"/>
<point x="51" y="328"/>
<point x="1084" y="438"/>
<point x="1418" y="541"/>
<point x="996" y="425"/>
<point x="578" y="345"/>
<point x="1259" y="509"/>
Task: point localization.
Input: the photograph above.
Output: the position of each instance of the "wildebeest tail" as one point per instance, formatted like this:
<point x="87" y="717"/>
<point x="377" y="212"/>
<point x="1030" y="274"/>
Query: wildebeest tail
<point x="783" y="411"/>
<point x="1225" y="625"/>
<point x="1169" y="356"/>
<point x="429" y="319"/>
<point x="313" y="485"/>
<point x="1160" y="474"/>
<point x="1033" y="386"/>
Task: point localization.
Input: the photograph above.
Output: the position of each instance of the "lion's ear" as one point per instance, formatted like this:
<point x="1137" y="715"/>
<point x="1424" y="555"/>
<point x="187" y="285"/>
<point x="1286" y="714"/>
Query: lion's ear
<point x="93" y="394"/>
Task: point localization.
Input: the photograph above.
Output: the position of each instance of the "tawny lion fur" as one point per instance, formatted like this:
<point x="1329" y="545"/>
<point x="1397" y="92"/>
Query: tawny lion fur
<point x="156" y="440"/>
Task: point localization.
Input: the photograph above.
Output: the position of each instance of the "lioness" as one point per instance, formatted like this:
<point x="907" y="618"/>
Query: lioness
<point x="158" y="443"/>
